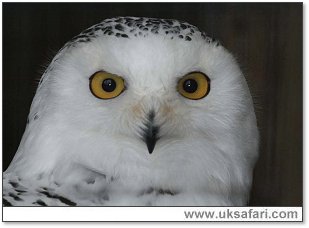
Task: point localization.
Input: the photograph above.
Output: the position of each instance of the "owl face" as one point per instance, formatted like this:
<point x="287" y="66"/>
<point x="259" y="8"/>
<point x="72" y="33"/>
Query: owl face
<point x="152" y="70"/>
<point x="145" y="105"/>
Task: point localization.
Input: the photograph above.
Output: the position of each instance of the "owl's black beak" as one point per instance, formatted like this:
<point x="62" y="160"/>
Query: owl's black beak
<point x="150" y="132"/>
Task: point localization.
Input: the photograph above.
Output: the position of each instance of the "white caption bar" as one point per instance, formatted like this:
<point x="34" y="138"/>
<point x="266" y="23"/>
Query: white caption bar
<point x="152" y="214"/>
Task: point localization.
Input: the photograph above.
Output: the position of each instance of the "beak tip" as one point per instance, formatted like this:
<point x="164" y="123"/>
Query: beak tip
<point x="150" y="147"/>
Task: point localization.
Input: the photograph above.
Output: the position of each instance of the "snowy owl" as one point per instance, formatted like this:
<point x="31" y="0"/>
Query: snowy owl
<point x="137" y="112"/>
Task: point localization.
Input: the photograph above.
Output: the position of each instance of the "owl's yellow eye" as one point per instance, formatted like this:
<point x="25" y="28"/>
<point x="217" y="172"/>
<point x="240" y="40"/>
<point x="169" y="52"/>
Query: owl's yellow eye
<point x="104" y="85"/>
<point x="194" y="86"/>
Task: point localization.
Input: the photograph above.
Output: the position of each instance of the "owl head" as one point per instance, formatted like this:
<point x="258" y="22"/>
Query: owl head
<point x="149" y="101"/>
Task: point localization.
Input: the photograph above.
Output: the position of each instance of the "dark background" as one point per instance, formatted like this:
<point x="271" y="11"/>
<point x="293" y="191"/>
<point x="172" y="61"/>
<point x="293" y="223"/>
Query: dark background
<point x="265" y="38"/>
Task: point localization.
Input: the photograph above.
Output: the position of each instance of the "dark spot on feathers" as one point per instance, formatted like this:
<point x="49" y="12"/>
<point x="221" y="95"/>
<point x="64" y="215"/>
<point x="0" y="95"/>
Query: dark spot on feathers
<point x="6" y="203"/>
<point x="165" y="192"/>
<point x="15" y="197"/>
<point x="183" y="26"/>
<point x="40" y="202"/>
<point x="20" y="191"/>
<point x="150" y="190"/>
<point x="168" y="21"/>
<point x="188" y="38"/>
<point x="108" y="27"/>
<point x="61" y="198"/>
<point x="66" y="201"/>
<point x="119" y="27"/>
<point x="47" y="189"/>
<point x="146" y="192"/>
<point x="107" y="31"/>
<point x="157" y="192"/>
<point x="90" y="181"/>
<point x="118" y="20"/>
<point x="14" y="184"/>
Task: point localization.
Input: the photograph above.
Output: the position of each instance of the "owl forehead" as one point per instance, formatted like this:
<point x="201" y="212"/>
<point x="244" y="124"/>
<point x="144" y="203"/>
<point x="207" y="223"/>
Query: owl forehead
<point x="130" y="27"/>
<point x="147" y="61"/>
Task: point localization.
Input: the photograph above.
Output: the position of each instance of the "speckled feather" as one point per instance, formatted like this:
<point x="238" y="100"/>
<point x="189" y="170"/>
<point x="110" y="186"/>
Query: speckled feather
<point x="130" y="27"/>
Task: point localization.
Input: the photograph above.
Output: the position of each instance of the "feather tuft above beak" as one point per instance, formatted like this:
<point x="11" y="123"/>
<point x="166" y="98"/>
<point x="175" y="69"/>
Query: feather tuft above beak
<point x="150" y="132"/>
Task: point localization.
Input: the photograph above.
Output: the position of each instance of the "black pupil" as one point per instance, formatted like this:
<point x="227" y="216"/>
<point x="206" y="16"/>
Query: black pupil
<point x="109" y="85"/>
<point x="190" y="85"/>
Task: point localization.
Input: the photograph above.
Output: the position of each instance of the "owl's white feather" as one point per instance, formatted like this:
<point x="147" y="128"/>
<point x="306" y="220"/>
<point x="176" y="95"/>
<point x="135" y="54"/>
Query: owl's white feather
<point x="89" y="150"/>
